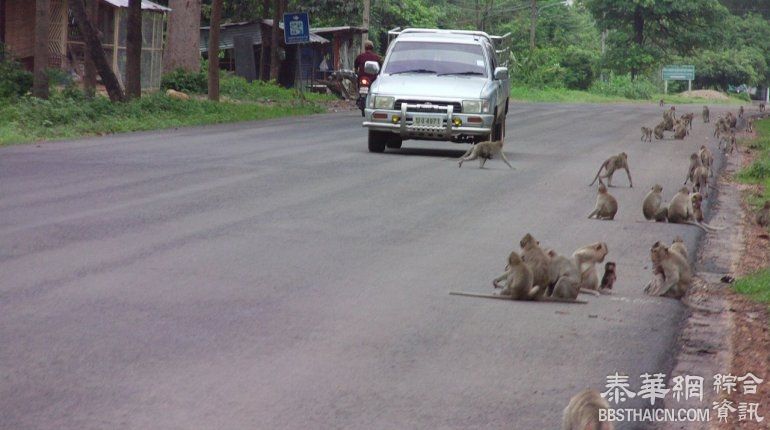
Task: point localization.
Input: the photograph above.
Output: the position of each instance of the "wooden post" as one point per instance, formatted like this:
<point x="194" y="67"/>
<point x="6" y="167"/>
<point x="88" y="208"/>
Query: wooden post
<point x="89" y="73"/>
<point x="134" y="49"/>
<point x="689" y="85"/>
<point x="216" y="17"/>
<point x="42" y="22"/>
<point x="665" y="87"/>
<point x="365" y="22"/>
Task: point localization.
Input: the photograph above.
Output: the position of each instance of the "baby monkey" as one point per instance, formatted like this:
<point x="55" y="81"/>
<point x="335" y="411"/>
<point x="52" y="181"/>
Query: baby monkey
<point x="608" y="280"/>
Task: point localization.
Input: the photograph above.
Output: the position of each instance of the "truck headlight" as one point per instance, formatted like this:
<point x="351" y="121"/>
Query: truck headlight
<point x="475" y="106"/>
<point x="383" y="102"/>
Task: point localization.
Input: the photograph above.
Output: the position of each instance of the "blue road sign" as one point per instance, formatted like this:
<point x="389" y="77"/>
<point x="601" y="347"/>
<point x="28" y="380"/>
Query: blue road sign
<point x="296" y="28"/>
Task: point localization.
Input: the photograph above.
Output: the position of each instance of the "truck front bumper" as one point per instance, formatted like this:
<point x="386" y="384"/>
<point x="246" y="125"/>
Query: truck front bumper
<point x="429" y="122"/>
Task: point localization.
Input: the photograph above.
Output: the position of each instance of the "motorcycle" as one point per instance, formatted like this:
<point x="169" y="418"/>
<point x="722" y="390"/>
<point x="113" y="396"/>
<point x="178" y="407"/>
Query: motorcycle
<point x="363" y="90"/>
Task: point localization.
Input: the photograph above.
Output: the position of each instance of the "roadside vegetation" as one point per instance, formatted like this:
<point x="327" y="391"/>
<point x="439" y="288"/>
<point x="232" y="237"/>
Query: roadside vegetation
<point x="68" y="113"/>
<point x="757" y="285"/>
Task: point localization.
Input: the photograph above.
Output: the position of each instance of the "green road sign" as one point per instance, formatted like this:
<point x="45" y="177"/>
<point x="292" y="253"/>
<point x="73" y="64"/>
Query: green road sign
<point x="679" y="73"/>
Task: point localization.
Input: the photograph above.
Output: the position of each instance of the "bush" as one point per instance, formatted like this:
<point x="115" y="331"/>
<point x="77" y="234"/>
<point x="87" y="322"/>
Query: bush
<point x="14" y="80"/>
<point x="579" y="68"/>
<point x="188" y="82"/>
<point x="623" y="86"/>
<point x="538" y="69"/>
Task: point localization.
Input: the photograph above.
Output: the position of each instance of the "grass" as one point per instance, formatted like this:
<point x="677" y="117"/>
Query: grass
<point x="561" y="95"/>
<point x="755" y="286"/>
<point x="759" y="171"/>
<point x="66" y="116"/>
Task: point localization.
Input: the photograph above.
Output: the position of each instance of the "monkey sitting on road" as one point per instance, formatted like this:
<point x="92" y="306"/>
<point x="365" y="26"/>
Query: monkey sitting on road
<point x="677" y="245"/>
<point x="484" y="151"/>
<point x="705" y="114"/>
<point x="750" y="125"/>
<point x="582" y="412"/>
<point x="609" y="277"/>
<point x="518" y="279"/>
<point x="606" y="205"/>
<point x="661" y="103"/>
<point x="680" y="211"/>
<point x="585" y="259"/>
<point x="763" y="217"/>
<point x="563" y="276"/>
<point x="698" y="174"/>
<point x="740" y="112"/>
<point x="680" y="130"/>
<point x="707" y="159"/>
<point x="696" y="199"/>
<point x="610" y="165"/>
<point x="646" y="134"/>
<point x="652" y="206"/>
<point x="671" y="271"/>
<point x="732" y="120"/>
<point x="687" y="119"/>
<point x="659" y="129"/>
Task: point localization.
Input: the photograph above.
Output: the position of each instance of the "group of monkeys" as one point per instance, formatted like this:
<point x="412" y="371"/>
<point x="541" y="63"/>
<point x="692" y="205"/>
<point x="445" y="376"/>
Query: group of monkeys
<point x="680" y="126"/>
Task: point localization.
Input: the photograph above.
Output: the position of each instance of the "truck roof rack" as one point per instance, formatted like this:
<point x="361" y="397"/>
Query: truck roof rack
<point x="496" y="41"/>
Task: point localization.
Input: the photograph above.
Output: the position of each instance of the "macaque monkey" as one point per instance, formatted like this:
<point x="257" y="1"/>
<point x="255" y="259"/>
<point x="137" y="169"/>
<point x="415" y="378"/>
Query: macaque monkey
<point x="740" y="112"/>
<point x="669" y="117"/>
<point x="721" y="126"/>
<point x="646" y="134"/>
<point x="761" y="107"/>
<point x="538" y="261"/>
<point x="564" y="277"/>
<point x="705" y="114"/>
<point x="659" y="129"/>
<point x="609" y="277"/>
<point x="651" y="206"/>
<point x="680" y="131"/>
<point x="677" y="245"/>
<point x="606" y="205"/>
<point x="672" y="273"/>
<point x="518" y="279"/>
<point x="727" y="141"/>
<point x="732" y="120"/>
<point x="697" y="207"/>
<point x="707" y="159"/>
<point x="680" y="211"/>
<point x="763" y="217"/>
<point x="698" y="174"/>
<point x="582" y="412"/>
<point x="687" y="119"/>
<point x="484" y="151"/>
<point x="585" y="259"/>
<point x="661" y="103"/>
<point x="610" y="165"/>
<point x="176" y="95"/>
<point x="750" y="124"/>
<point x="695" y="162"/>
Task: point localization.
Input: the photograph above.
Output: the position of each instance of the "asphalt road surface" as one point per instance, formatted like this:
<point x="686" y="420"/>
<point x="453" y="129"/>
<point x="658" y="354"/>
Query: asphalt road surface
<point x="276" y="275"/>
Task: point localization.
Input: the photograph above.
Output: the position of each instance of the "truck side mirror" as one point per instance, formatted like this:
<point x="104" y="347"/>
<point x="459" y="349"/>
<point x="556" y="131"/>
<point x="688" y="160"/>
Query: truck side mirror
<point x="372" y="68"/>
<point x="501" y="73"/>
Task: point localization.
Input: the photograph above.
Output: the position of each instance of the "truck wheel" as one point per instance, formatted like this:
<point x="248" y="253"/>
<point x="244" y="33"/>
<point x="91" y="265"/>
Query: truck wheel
<point x="377" y="140"/>
<point x="498" y="130"/>
<point x="394" y="142"/>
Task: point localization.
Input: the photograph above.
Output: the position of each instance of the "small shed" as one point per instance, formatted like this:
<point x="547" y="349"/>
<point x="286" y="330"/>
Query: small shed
<point x="345" y="46"/>
<point x="66" y="48"/>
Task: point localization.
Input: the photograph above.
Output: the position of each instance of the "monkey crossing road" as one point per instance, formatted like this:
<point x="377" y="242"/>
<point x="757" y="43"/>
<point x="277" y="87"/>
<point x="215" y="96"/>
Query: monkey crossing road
<point x="278" y="275"/>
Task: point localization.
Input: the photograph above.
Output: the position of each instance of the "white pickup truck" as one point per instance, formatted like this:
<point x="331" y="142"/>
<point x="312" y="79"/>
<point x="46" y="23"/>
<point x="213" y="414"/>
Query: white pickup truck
<point x="437" y="85"/>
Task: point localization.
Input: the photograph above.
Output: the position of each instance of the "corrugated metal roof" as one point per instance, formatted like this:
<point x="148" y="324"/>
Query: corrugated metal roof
<point x="147" y="5"/>
<point x="228" y="32"/>
<point x="341" y="28"/>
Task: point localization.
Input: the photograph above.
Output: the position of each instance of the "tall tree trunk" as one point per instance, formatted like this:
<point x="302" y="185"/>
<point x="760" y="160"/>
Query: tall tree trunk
<point x="264" y="53"/>
<point x="638" y="34"/>
<point x="275" y="37"/>
<point x="182" y="50"/>
<point x="532" y="23"/>
<point x="2" y="27"/>
<point x="365" y="22"/>
<point x="89" y="74"/>
<point x="95" y="50"/>
<point x="134" y="49"/>
<point x="216" y="17"/>
<point x="42" y="22"/>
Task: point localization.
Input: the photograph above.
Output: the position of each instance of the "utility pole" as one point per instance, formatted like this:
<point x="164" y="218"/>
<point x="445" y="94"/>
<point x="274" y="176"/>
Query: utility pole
<point x="42" y="21"/>
<point x="532" y="23"/>
<point x="365" y="23"/>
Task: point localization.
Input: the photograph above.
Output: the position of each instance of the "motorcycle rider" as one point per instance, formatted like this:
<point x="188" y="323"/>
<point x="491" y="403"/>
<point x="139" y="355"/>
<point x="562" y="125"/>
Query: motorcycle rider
<point x="367" y="55"/>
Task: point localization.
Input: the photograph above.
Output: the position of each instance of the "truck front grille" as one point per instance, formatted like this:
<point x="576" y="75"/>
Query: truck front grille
<point x="439" y="106"/>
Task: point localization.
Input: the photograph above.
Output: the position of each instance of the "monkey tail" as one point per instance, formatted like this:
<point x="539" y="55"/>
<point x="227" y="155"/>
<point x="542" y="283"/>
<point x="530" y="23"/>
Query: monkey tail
<point x="597" y="176"/>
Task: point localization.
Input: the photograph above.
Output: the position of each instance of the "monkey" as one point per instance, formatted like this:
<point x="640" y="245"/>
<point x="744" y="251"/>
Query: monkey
<point x="677" y="245"/>
<point x="537" y="260"/>
<point x="687" y="119"/>
<point x="582" y="412"/>
<point x="672" y="271"/>
<point x="700" y="183"/>
<point x="661" y="103"/>
<point x="720" y="126"/>
<point x="563" y="277"/>
<point x="659" y="129"/>
<point x="731" y="120"/>
<point x="609" y="277"/>
<point x="586" y="259"/>
<point x="606" y="205"/>
<point x="727" y="141"/>
<point x="740" y="112"/>
<point x="176" y="95"/>
<point x="750" y="125"/>
<point x="610" y="165"/>
<point x="705" y="114"/>
<point x="680" y="211"/>
<point x="761" y="107"/>
<point x="484" y="151"/>
<point x="518" y="279"/>
<point x="668" y="120"/>
<point x="763" y="217"/>
<point x="680" y="131"/>
<point x="651" y="206"/>
<point x="695" y="162"/>
<point x="707" y="158"/>
<point x="646" y="134"/>
<point x="696" y="199"/>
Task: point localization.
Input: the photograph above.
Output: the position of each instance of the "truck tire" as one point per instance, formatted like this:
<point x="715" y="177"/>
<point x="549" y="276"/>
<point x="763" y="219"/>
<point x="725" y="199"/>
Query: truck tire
<point x="498" y="130"/>
<point x="394" y="141"/>
<point x="377" y="141"/>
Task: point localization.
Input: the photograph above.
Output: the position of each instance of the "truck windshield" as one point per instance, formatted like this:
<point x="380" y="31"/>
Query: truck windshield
<point x="436" y="58"/>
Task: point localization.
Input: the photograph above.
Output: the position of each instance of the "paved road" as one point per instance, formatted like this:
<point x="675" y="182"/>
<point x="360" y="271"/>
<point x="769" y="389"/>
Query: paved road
<point x="276" y="275"/>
